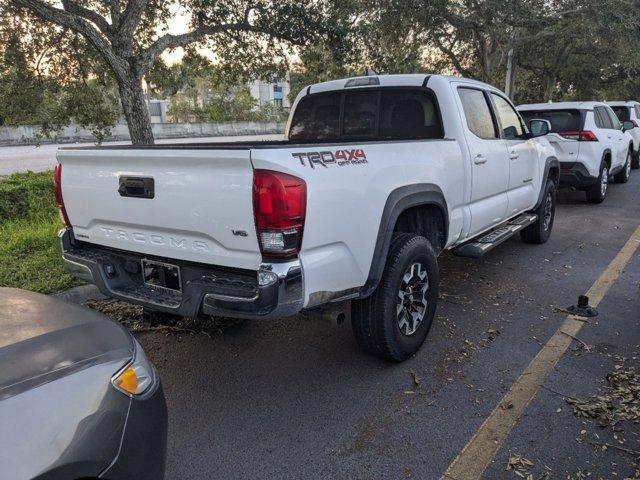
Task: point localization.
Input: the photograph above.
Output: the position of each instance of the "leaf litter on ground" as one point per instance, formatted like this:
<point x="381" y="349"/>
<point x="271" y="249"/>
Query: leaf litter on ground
<point x="619" y="402"/>
<point x="132" y="317"/>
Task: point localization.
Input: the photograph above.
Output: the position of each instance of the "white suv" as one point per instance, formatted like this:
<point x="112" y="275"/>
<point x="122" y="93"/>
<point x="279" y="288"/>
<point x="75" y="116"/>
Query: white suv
<point x="629" y="111"/>
<point x="590" y="144"/>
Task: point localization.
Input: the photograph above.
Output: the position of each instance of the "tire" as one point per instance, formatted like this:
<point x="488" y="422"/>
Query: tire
<point x="540" y="231"/>
<point x="623" y="175"/>
<point x="635" y="160"/>
<point x="597" y="193"/>
<point x="380" y="323"/>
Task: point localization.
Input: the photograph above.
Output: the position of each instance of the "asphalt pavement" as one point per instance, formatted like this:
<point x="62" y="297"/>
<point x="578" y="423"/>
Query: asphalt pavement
<point x="296" y="399"/>
<point x="22" y="158"/>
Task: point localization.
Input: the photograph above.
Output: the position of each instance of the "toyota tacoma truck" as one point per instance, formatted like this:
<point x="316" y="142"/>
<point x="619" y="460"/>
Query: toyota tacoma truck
<point x="376" y="176"/>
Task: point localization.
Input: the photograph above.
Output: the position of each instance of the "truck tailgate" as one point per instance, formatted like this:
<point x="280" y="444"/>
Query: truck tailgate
<point x="199" y="199"/>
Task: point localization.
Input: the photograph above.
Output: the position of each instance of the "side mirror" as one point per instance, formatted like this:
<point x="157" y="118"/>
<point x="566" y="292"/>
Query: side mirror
<point x="539" y="127"/>
<point x="628" y="125"/>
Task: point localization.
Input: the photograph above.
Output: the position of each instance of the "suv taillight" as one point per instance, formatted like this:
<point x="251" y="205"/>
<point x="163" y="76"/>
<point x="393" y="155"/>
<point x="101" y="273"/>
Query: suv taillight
<point x="581" y="136"/>
<point x="279" y="206"/>
<point x="57" y="182"/>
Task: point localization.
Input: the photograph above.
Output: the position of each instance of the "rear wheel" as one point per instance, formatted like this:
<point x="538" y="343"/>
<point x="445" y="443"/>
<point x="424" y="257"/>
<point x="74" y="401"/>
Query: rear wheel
<point x="597" y="193"/>
<point x="394" y="321"/>
<point x="540" y="231"/>
<point x="623" y="175"/>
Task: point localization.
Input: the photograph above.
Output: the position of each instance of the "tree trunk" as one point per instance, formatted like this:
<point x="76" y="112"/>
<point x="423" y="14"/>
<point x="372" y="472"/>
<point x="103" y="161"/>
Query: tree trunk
<point x="549" y="86"/>
<point x="136" y="111"/>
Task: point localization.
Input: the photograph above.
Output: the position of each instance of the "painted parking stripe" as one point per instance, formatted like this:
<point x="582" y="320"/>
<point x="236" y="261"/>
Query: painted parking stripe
<point x="485" y="443"/>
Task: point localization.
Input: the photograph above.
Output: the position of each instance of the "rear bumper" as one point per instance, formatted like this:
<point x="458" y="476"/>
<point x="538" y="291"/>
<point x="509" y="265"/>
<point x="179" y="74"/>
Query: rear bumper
<point x="275" y="290"/>
<point x="576" y="175"/>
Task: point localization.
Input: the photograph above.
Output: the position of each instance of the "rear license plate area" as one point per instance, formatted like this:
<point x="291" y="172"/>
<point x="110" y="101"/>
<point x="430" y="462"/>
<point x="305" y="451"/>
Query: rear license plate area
<point x="161" y="275"/>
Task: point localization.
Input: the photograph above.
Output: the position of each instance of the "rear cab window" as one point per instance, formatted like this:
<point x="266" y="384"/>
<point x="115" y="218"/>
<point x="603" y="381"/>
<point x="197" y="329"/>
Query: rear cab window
<point x="367" y="114"/>
<point x="569" y="120"/>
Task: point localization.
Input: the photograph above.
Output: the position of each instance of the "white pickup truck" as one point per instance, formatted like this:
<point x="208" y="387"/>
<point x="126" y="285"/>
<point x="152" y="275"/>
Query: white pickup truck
<point x="377" y="176"/>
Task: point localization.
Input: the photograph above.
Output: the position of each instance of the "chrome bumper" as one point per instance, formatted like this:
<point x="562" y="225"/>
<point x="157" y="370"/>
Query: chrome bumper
<point x="276" y="290"/>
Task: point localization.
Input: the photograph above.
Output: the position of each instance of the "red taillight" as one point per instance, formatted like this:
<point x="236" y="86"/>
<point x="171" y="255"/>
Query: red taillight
<point x="57" y="182"/>
<point x="279" y="206"/>
<point x="581" y="136"/>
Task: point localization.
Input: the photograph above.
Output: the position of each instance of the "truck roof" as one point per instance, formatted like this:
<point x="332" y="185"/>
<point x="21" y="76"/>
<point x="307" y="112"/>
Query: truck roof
<point x="622" y="103"/>
<point x="560" y="106"/>
<point x="393" y="80"/>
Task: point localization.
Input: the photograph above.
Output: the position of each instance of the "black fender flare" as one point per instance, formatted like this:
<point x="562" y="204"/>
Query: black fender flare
<point x="606" y="152"/>
<point x="398" y="201"/>
<point x="551" y="162"/>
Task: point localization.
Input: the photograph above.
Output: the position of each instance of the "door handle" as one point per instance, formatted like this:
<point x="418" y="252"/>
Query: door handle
<point x="514" y="156"/>
<point x="480" y="159"/>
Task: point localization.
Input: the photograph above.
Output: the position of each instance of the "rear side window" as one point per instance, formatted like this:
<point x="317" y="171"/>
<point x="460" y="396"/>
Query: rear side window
<point x="477" y="112"/>
<point x="317" y="118"/>
<point x="615" y="123"/>
<point x="407" y="114"/>
<point x="387" y="114"/>
<point x="509" y="120"/>
<point x="602" y="118"/>
<point x="561" y="120"/>
<point x="623" y="113"/>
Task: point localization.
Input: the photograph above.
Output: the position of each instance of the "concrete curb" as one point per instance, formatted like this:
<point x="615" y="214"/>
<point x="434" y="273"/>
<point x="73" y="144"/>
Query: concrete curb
<point x="80" y="294"/>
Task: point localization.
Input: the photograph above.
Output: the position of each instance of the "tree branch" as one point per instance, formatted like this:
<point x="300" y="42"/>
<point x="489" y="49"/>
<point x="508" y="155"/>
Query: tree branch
<point x="452" y="56"/>
<point x="174" y="41"/>
<point x="114" y="6"/>
<point x="78" y="24"/>
<point x="131" y="17"/>
<point x="75" y="9"/>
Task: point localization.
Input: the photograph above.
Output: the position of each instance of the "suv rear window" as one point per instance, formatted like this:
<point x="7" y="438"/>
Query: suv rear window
<point x="623" y="113"/>
<point x="375" y="114"/>
<point x="561" y="120"/>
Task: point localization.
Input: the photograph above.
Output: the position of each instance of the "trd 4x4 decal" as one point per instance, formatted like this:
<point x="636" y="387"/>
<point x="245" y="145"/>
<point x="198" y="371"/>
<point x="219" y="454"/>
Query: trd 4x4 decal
<point x="327" y="157"/>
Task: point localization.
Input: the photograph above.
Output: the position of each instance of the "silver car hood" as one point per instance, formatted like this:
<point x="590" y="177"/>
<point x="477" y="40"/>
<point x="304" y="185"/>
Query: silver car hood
<point x="44" y="339"/>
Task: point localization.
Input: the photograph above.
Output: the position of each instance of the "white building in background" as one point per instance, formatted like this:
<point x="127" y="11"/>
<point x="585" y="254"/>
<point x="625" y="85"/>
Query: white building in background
<point x="276" y="92"/>
<point x="158" y="110"/>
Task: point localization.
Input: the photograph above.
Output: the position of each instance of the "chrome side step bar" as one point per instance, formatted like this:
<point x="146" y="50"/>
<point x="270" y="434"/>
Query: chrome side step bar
<point x="479" y="246"/>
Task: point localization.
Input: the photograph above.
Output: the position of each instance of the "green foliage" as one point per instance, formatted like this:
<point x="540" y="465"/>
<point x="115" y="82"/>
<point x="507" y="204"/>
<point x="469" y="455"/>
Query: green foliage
<point x="222" y="103"/>
<point x="30" y="97"/>
<point x="29" y="221"/>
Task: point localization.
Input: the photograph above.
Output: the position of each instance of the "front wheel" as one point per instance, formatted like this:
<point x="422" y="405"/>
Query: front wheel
<point x="635" y="160"/>
<point x="540" y="231"/>
<point x="393" y="322"/>
<point x="623" y="175"/>
<point x="597" y="193"/>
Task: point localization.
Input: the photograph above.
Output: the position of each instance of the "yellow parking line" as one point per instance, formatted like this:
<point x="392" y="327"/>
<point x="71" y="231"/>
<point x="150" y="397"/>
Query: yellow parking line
<point x="480" y="450"/>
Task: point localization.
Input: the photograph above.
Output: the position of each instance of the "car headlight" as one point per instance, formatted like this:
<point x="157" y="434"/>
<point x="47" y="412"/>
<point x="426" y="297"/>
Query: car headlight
<point x="136" y="377"/>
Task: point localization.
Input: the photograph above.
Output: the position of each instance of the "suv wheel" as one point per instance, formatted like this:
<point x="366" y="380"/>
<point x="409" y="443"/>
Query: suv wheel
<point x="635" y="160"/>
<point x="623" y="175"/>
<point x="596" y="193"/>
<point x="394" y="321"/>
<point x="540" y="231"/>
